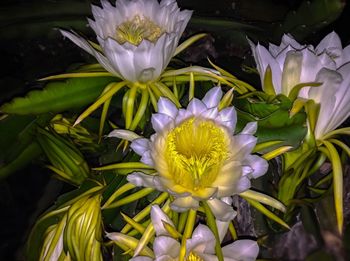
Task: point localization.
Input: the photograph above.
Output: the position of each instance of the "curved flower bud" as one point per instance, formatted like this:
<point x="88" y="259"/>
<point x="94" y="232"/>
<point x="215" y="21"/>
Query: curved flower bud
<point x="136" y="38"/>
<point x="200" y="247"/>
<point x="196" y="155"/>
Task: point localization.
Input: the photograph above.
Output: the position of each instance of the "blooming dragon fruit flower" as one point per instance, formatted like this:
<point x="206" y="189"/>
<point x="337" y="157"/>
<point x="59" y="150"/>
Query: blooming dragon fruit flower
<point x="197" y="157"/>
<point x="136" y="38"/>
<point x="328" y="63"/>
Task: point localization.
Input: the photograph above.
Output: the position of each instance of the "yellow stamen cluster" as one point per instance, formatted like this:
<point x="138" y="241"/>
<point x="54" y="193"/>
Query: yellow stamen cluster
<point x="194" y="257"/>
<point x="195" y="152"/>
<point x="137" y="29"/>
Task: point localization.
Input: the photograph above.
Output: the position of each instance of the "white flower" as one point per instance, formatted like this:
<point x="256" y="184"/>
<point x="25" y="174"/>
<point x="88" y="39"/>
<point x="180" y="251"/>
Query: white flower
<point x="327" y="63"/>
<point x="137" y="38"/>
<point x="196" y="155"/>
<point x="334" y="100"/>
<point x="292" y="63"/>
<point x="198" y="248"/>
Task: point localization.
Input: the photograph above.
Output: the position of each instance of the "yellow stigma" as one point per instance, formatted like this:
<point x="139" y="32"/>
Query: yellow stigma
<point x="195" y="152"/>
<point x="137" y="29"/>
<point x="194" y="257"/>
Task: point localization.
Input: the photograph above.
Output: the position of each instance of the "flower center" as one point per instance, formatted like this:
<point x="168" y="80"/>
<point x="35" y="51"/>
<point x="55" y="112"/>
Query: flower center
<point x="195" y="151"/>
<point x="137" y="29"/>
<point x="194" y="257"/>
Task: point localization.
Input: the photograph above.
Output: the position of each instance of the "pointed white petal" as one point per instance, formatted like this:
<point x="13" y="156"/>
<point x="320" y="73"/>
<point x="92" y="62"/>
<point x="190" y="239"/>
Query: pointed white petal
<point x="202" y="240"/>
<point x="228" y="116"/>
<point x="244" y="250"/>
<point x="166" y="246"/>
<point x="140" y="146"/>
<point x="258" y="165"/>
<point x="250" y="128"/>
<point x="196" y="107"/>
<point x="211" y="113"/>
<point x="221" y="210"/>
<point x="330" y="44"/>
<point x="157" y="216"/>
<point x="143" y="180"/>
<point x="165" y="106"/>
<point x="147" y="158"/>
<point x="212" y="97"/>
<point x="160" y="121"/>
<point x="222" y="227"/>
<point x="243" y="184"/>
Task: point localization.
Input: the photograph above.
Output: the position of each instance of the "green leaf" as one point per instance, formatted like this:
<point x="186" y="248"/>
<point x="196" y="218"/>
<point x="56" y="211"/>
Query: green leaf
<point x="17" y="143"/>
<point x="310" y="17"/>
<point x="58" y="96"/>
<point x="274" y="121"/>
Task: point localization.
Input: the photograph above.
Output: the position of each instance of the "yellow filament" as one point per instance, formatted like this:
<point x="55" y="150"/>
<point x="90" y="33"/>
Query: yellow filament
<point x="137" y="29"/>
<point x="195" y="152"/>
<point x="194" y="257"/>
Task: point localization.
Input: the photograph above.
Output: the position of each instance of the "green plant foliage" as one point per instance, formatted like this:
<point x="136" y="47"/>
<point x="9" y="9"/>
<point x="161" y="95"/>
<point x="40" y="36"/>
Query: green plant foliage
<point x="53" y="216"/>
<point x="68" y="162"/>
<point x="274" y="122"/>
<point x="310" y="17"/>
<point x="58" y="96"/>
<point x="17" y="141"/>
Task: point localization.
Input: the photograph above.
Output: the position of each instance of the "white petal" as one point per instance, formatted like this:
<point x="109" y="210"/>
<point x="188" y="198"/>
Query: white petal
<point x="312" y="64"/>
<point x="157" y="216"/>
<point x="82" y="43"/>
<point x="202" y="241"/>
<point x="330" y="44"/>
<point x="160" y="121"/>
<point x="166" y="246"/>
<point x="243" y="184"/>
<point x="147" y="158"/>
<point x="242" y="145"/>
<point x="222" y="227"/>
<point x="211" y="113"/>
<point x="140" y="146"/>
<point x="250" y="128"/>
<point x="184" y="203"/>
<point x="166" y="107"/>
<point x="143" y="180"/>
<point x="212" y="97"/>
<point x="228" y="117"/>
<point x="122" y="58"/>
<point x="258" y="165"/>
<point x="196" y="106"/>
<point x="341" y="110"/>
<point x="291" y="73"/>
<point x="182" y="115"/>
<point x="221" y="210"/>
<point x="243" y="250"/>
<point x="288" y="39"/>
<point x="264" y="59"/>
<point x="123" y="134"/>
<point x="331" y="82"/>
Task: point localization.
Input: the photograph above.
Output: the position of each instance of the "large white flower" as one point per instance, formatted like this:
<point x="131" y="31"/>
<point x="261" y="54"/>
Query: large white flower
<point x="198" y="248"/>
<point x="196" y="155"/>
<point x="327" y="63"/>
<point x="137" y="38"/>
<point x="292" y="63"/>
